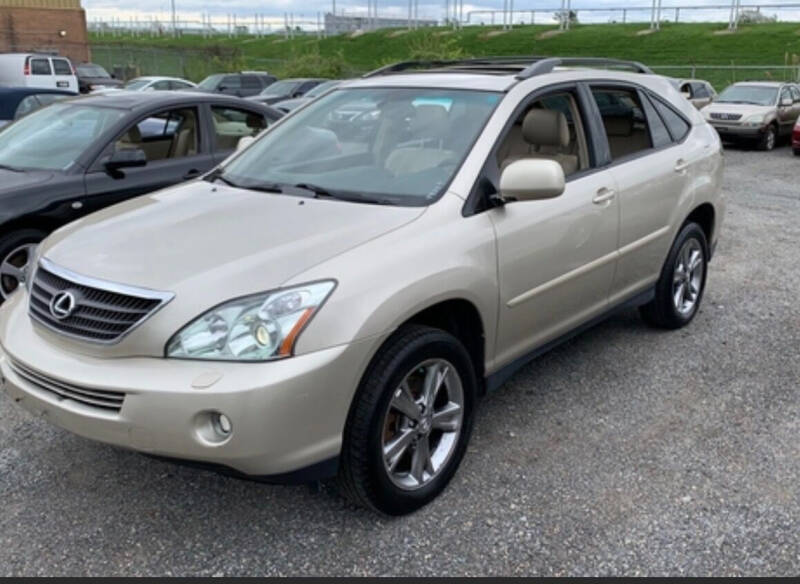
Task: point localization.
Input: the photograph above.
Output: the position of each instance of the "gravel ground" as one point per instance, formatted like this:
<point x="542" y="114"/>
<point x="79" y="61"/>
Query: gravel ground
<point x="626" y="451"/>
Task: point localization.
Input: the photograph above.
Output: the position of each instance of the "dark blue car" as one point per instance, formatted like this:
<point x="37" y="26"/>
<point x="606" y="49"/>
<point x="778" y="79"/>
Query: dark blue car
<point x="16" y="102"/>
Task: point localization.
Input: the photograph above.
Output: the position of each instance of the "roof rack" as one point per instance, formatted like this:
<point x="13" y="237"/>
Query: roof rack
<point x="524" y="67"/>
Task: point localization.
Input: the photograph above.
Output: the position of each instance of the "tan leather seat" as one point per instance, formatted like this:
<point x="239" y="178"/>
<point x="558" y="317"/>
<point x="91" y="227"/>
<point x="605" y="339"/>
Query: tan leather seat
<point x="186" y="139"/>
<point x="623" y="137"/>
<point x="545" y="135"/>
<point x="429" y="126"/>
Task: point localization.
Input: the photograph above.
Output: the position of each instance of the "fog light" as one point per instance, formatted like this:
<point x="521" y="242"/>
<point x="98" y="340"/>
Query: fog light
<point x="222" y="424"/>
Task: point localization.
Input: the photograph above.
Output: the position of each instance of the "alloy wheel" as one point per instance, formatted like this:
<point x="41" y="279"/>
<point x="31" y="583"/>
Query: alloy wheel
<point x="14" y="268"/>
<point x="687" y="280"/>
<point x="422" y="424"/>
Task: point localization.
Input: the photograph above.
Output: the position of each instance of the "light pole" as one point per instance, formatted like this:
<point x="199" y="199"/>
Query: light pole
<point x="174" y="18"/>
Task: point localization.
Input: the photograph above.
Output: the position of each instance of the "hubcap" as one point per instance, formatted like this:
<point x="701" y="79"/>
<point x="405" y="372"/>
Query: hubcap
<point x="770" y="140"/>
<point x="14" y="268"/>
<point x="688" y="278"/>
<point x="422" y="424"/>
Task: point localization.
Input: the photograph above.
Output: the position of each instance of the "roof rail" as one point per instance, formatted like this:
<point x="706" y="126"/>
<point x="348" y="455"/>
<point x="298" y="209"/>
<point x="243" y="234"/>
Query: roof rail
<point x="546" y="65"/>
<point x="526" y="66"/>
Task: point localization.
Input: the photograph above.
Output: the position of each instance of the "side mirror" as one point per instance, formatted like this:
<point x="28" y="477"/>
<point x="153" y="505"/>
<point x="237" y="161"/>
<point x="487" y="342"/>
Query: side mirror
<point x="532" y="179"/>
<point x="126" y="159"/>
<point x="787" y="102"/>
<point x="244" y="142"/>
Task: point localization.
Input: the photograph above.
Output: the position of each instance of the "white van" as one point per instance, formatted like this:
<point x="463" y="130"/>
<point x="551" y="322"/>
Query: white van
<point x="37" y="70"/>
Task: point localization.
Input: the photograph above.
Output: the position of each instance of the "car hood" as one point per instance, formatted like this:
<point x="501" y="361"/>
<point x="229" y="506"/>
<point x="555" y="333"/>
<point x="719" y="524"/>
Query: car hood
<point x="745" y="109"/>
<point x="216" y="242"/>
<point x="11" y="180"/>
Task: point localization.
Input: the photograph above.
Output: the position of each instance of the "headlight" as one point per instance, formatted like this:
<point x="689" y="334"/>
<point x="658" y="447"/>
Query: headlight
<point x="261" y="327"/>
<point x="755" y="120"/>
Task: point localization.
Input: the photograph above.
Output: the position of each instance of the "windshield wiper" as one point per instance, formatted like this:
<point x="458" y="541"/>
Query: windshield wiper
<point x="352" y="198"/>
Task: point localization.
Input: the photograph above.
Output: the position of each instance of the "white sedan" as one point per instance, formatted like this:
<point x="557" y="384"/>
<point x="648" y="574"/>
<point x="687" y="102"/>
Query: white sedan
<point x="158" y="84"/>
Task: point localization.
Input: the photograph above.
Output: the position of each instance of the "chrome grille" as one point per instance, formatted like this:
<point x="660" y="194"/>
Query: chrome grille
<point x="726" y="117"/>
<point x="103" y="312"/>
<point x="95" y="398"/>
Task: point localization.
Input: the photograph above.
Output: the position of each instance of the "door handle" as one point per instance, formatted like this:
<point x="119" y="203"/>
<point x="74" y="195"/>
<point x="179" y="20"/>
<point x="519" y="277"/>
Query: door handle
<point x="194" y="173"/>
<point x="681" y="165"/>
<point x="603" y="196"/>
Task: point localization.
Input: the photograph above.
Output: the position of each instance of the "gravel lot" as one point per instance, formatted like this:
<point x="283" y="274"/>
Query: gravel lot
<point x="626" y="451"/>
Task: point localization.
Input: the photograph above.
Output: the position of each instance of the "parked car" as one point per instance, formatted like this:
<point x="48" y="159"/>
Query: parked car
<point x="93" y="77"/>
<point x="244" y="84"/>
<point x="75" y="157"/>
<point x="796" y="138"/>
<point x="700" y="93"/>
<point x="286" y="89"/>
<point x="158" y="84"/>
<point x="35" y="70"/>
<point x="295" y="316"/>
<point x="16" y="102"/>
<point x="760" y="112"/>
<point x="288" y="105"/>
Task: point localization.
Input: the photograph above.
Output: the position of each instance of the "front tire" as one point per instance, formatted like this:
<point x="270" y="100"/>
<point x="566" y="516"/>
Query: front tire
<point x="410" y="422"/>
<point x="16" y="252"/>
<point x="769" y="139"/>
<point x="680" y="288"/>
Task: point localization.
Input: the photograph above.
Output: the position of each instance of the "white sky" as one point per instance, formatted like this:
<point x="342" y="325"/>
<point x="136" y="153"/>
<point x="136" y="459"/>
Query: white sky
<point x="245" y="9"/>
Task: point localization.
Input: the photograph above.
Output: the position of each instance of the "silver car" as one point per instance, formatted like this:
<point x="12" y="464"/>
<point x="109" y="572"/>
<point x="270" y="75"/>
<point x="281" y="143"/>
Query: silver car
<point x="325" y="306"/>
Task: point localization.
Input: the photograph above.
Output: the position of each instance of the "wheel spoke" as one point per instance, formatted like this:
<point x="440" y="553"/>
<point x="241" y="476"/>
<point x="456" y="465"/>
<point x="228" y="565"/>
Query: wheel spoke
<point x="421" y="460"/>
<point x="394" y="450"/>
<point x="10" y="270"/>
<point x="679" y="295"/>
<point x="447" y="419"/>
<point x="695" y="261"/>
<point x="404" y="402"/>
<point x="434" y="379"/>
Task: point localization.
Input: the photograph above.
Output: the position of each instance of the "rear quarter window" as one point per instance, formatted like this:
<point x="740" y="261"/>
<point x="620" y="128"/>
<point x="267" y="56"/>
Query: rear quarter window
<point x="678" y="127"/>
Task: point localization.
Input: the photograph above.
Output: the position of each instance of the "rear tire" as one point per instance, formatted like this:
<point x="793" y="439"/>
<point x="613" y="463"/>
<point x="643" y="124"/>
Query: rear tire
<point x="796" y="151"/>
<point x="16" y="251"/>
<point x="398" y="452"/>
<point x="679" y="290"/>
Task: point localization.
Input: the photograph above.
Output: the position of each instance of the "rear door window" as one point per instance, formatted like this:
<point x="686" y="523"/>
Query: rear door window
<point x="231" y="83"/>
<point x="624" y="121"/>
<point x="250" y="82"/>
<point x="40" y="67"/>
<point x="62" y="67"/>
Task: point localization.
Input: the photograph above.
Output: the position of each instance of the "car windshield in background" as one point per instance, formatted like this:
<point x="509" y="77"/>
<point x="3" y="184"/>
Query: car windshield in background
<point x="54" y="137"/>
<point x="752" y="94"/>
<point x="322" y="88"/>
<point x="403" y="148"/>
<point x="281" y="88"/>
<point x="210" y="82"/>
<point x="92" y="71"/>
<point x="136" y="84"/>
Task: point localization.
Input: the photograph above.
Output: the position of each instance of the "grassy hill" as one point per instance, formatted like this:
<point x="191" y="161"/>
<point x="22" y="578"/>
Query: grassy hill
<point x="680" y="45"/>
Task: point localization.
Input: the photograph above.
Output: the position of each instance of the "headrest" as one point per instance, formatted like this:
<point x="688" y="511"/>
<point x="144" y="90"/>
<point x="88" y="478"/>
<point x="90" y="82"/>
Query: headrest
<point x="618" y="126"/>
<point x="429" y="120"/>
<point x="546" y="128"/>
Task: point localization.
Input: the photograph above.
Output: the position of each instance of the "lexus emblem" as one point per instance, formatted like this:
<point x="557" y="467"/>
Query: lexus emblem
<point x="63" y="305"/>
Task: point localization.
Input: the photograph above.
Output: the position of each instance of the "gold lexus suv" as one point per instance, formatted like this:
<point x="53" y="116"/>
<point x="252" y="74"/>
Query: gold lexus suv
<point x="335" y="298"/>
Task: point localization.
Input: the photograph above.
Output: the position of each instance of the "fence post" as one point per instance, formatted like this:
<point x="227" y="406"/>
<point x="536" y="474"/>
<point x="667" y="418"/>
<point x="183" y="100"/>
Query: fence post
<point x="678" y="14"/>
<point x="694" y="72"/>
<point x="624" y="15"/>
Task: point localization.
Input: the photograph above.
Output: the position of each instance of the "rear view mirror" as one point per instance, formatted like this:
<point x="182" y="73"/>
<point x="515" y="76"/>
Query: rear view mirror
<point x="532" y="179"/>
<point x="132" y="158"/>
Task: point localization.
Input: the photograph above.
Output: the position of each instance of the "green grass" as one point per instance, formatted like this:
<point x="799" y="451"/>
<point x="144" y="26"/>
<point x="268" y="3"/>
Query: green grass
<point x="676" y="44"/>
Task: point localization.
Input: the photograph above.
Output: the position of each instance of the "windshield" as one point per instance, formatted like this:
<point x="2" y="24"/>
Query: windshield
<point x="92" y="71"/>
<point x="54" y="137"/>
<point x="281" y="88"/>
<point x="137" y="84"/>
<point x="210" y="82"/>
<point x="753" y="94"/>
<point x="402" y="147"/>
<point x="322" y="88"/>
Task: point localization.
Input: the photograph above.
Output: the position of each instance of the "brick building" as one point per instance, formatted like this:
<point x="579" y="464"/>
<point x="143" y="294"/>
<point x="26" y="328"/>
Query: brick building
<point x="51" y="26"/>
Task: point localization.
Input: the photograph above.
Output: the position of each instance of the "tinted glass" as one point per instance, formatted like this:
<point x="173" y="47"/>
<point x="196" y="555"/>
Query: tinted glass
<point x="48" y="98"/>
<point x="40" y="67"/>
<point x="161" y="85"/>
<point x="54" y="137"/>
<point x="90" y="70"/>
<point x="678" y="127"/>
<point x="700" y="91"/>
<point x="400" y="145"/>
<point x="658" y="131"/>
<point x="281" y="88"/>
<point x="624" y="121"/>
<point x="322" y="88"/>
<point x="136" y="84"/>
<point x="796" y="94"/>
<point x="250" y="82"/>
<point x="210" y="82"/>
<point x="231" y="82"/>
<point x="63" y="67"/>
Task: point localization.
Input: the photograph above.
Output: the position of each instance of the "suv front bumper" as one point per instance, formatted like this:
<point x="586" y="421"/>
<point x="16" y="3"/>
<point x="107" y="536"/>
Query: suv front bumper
<point x="733" y="132"/>
<point x="286" y="415"/>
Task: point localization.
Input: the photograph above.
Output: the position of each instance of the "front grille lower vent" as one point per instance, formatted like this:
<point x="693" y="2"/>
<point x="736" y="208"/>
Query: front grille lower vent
<point x="88" y="309"/>
<point x="726" y="117"/>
